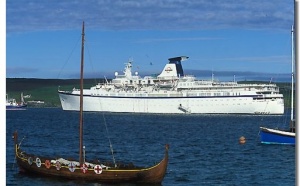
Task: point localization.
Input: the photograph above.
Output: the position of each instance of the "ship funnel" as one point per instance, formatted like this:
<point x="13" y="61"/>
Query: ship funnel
<point x="177" y="62"/>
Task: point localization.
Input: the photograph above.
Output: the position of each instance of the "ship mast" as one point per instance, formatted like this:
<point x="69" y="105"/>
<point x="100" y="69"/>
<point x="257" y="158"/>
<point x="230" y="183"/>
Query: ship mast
<point x="81" y="100"/>
<point x="292" y="90"/>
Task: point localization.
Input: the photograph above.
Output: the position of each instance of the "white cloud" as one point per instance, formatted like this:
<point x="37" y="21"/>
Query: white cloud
<point x="33" y="15"/>
<point x="264" y="59"/>
<point x="150" y="40"/>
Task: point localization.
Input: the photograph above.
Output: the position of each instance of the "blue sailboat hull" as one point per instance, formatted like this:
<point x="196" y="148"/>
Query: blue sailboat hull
<point x="274" y="136"/>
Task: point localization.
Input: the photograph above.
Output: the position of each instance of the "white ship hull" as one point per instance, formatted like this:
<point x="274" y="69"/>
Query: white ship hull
<point x="174" y="105"/>
<point x="172" y="92"/>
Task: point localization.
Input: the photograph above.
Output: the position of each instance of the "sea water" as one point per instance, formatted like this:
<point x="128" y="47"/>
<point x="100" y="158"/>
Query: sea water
<point x="204" y="149"/>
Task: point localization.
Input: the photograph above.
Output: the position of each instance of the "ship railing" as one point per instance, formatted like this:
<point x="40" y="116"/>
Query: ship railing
<point x="74" y="89"/>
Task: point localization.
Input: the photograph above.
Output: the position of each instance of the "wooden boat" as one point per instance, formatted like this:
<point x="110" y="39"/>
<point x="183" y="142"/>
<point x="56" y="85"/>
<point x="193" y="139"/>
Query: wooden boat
<point x="84" y="170"/>
<point x="282" y="136"/>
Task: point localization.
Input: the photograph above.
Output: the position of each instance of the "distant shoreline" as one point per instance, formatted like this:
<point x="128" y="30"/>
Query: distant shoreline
<point x="46" y="89"/>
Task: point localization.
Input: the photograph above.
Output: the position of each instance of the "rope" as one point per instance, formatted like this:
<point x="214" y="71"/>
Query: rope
<point x="13" y="166"/>
<point x="91" y="61"/>
<point x="110" y="144"/>
<point x="285" y="120"/>
<point x="21" y="141"/>
<point x="104" y="119"/>
<point x="69" y="57"/>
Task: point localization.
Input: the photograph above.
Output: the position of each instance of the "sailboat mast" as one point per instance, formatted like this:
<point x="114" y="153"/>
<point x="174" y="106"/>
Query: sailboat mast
<point x="292" y="90"/>
<point x="81" y="100"/>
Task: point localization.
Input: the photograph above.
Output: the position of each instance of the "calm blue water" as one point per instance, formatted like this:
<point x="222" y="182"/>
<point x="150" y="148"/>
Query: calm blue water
<point x="204" y="149"/>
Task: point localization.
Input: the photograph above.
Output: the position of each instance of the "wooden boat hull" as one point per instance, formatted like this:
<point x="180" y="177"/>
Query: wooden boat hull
<point x="44" y="166"/>
<point x="274" y="136"/>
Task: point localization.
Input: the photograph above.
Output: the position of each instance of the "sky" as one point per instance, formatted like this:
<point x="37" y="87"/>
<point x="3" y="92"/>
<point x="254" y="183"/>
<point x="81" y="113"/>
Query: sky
<point x="242" y="38"/>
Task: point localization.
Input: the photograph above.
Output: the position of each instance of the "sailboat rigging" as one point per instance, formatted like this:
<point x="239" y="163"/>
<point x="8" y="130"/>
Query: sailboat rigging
<point x="83" y="170"/>
<point x="277" y="136"/>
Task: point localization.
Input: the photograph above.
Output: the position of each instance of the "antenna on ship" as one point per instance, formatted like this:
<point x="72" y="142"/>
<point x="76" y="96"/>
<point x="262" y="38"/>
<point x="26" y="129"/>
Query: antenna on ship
<point x="106" y="79"/>
<point x="271" y="80"/>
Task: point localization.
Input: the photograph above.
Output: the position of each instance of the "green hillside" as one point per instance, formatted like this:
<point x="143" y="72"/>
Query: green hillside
<point x="43" y="89"/>
<point x="46" y="89"/>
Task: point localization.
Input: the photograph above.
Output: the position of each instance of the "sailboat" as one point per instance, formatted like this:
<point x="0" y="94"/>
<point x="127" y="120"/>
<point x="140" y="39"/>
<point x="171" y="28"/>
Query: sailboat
<point x="278" y="136"/>
<point x="85" y="170"/>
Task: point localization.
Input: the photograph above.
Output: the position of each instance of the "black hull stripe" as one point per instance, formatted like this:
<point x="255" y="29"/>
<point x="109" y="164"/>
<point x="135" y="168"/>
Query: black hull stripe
<point x="165" y="97"/>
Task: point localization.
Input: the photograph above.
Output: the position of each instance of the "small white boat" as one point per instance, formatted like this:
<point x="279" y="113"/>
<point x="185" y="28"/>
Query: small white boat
<point x="11" y="103"/>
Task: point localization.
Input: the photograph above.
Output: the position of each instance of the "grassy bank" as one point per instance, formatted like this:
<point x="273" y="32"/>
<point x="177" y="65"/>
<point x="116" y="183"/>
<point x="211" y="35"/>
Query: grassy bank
<point x="43" y="89"/>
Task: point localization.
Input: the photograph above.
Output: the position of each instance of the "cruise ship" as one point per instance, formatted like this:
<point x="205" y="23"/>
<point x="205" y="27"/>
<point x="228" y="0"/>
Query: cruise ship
<point x="173" y="92"/>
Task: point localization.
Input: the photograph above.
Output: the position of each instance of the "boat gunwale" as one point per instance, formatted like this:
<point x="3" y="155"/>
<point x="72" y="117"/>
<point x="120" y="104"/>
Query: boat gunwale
<point x="278" y="132"/>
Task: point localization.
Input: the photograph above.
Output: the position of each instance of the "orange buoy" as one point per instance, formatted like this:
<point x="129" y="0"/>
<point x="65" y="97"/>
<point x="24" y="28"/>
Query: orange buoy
<point x="242" y="140"/>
